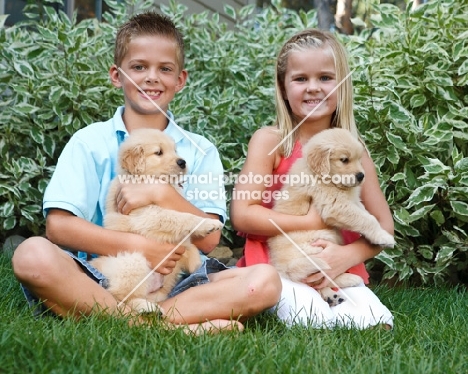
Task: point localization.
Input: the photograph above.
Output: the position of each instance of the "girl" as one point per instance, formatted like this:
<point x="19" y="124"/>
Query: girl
<point x="312" y="95"/>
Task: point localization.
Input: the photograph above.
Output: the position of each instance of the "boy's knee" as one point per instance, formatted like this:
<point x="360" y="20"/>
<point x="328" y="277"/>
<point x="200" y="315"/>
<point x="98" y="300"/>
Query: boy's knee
<point x="32" y="258"/>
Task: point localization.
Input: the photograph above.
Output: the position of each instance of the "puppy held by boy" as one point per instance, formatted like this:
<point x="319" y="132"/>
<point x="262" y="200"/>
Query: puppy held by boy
<point x="150" y="154"/>
<point x="332" y="159"/>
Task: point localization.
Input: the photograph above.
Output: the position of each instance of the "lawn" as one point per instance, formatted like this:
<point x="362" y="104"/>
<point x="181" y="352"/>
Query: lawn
<point x="430" y="336"/>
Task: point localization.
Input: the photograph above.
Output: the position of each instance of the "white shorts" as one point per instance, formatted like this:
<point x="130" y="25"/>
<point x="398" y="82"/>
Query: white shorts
<point x="301" y="304"/>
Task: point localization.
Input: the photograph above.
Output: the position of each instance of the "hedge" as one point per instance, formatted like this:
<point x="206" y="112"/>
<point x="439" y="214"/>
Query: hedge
<point x="411" y="96"/>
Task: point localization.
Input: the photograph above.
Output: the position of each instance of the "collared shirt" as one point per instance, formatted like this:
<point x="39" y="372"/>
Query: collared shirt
<point x="88" y="163"/>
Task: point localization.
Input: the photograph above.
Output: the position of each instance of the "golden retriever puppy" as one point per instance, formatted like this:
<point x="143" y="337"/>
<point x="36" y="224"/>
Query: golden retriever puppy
<point x="329" y="177"/>
<point x="150" y="154"/>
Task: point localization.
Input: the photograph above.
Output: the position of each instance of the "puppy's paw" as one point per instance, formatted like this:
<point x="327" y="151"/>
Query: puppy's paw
<point x="142" y="306"/>
<point x="333" y="298"/>
<point x="207" y="227"/>
<point x="383" y="238"/>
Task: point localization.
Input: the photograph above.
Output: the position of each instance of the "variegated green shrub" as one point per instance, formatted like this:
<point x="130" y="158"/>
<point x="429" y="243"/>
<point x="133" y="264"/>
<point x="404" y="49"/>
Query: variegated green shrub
<point x="412" y="110"/>
<point x="411" y="104"/>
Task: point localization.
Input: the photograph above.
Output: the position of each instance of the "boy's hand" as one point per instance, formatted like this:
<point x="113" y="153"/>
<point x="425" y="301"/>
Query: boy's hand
<point x="156" y="253"/>
<point x="136" y="195"/>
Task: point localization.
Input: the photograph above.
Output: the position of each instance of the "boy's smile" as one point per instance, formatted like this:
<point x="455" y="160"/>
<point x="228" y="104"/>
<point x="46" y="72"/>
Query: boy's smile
<point x="151" y="63"/>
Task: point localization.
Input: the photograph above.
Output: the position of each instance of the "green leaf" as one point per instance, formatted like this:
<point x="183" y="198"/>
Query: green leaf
<point x="460" y="207"/>
<point x="9" y="223"/>
<point x="444" y="254"/>
<point x="24" y="68"/>
<point x="426" y="251"/>
<point x="37" y="135"/>
<point x="398" y="113"/>
<point x="461" y="165"/>
<point x="460" y="135"/>
<point x="397" y="141"/>
<point x="230" y="11"/>
<point x="398" y="177"/>
<point x="421" y="194"/>
<point x="417" y="100"/>
<point x="435" y="166"/>
<point x="463" y="69"/>
<point x="7" y="209"/>
<point x="460" y="50"/>
<point x="420" y="213"/>
<point x="438" y="217"/>
<point x="25" y="108"/>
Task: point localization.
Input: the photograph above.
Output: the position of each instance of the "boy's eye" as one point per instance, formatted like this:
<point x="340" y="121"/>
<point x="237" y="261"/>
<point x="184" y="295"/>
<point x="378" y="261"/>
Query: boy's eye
<point x="166" y="69"/>
<point x="139" y="67"/>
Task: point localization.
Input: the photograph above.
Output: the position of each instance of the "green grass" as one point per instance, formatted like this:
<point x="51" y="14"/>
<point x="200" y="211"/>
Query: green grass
<point x="430" y="336"/>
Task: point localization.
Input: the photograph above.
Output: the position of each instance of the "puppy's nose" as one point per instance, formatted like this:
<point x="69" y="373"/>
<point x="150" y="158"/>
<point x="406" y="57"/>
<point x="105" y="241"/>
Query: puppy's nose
<point x="360" y="177"/>
<point x="181" y="163"/>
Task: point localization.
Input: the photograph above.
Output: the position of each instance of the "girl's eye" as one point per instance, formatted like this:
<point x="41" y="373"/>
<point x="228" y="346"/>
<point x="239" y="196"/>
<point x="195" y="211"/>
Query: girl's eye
<point x="325" y="78"/>
<point x="301" y="79"/>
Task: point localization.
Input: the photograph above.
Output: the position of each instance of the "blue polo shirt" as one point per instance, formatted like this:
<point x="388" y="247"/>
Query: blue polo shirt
<point x="88" y="164"/>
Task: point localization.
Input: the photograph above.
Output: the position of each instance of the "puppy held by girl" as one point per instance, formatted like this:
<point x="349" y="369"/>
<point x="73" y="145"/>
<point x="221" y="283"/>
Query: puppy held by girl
<point x="332" y="162"/>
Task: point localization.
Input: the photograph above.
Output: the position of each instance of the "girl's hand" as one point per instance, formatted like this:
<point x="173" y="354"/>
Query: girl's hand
<point x="337" y="257"/>
<point x="136" y="195"/>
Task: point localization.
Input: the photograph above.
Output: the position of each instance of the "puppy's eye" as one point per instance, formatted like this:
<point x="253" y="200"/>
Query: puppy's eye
<point x="158" y="152"/>
<point x="344" y="160"/>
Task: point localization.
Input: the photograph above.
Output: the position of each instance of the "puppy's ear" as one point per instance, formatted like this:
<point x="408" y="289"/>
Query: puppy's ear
<point x="318" y="159"/>
<point x="133" y="160"/>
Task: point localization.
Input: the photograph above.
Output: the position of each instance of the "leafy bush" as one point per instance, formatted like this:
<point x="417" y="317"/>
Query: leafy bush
<point x="53" y="81"/>
<point x="411" y="98"/>
<point x="412" y="110"/>
<point x="46" y="99"/>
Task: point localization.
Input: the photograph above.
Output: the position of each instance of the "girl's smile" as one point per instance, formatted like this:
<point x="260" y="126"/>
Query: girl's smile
<point x="310" y="77"/>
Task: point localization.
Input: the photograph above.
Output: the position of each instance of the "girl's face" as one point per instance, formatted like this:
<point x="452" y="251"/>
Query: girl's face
<point x="151" y="62"/>
<point x="310" y="77"/>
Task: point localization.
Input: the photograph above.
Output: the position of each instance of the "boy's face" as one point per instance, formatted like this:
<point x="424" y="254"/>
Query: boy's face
<point x="151" y="62"/>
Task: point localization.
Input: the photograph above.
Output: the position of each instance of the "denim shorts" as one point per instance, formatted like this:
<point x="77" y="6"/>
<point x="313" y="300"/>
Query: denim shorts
<point x="200" y="276"/>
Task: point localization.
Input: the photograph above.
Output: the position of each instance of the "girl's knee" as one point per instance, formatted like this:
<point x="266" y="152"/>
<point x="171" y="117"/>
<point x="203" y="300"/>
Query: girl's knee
<point x="265" y="280"/>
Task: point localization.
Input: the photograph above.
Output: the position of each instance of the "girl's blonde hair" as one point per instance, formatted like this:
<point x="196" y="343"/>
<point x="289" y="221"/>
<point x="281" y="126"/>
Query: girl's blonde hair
<point x="343" y="116"/>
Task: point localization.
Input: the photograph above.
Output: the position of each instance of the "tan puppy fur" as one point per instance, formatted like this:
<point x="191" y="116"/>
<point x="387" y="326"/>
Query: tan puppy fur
<point x="331" y="159"/>
<point x="152" y="153"/>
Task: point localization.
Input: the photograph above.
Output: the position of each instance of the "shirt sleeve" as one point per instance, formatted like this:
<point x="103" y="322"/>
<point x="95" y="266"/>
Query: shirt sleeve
<point x="75" y="184"/>
<point x="205" y="189"/>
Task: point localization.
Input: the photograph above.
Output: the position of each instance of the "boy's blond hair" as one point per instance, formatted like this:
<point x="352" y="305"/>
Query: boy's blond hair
<point x="343" y="116"/>
<point x="149" y="23"/>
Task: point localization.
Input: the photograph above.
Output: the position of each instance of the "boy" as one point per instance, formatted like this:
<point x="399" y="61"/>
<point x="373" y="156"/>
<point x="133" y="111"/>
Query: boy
<point x="148" y="66"/>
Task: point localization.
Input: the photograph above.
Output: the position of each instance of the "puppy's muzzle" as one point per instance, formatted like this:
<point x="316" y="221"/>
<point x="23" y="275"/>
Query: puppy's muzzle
<point x="181" y="162"/>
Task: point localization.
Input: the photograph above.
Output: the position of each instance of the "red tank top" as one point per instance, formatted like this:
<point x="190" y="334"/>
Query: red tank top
<point x="256" y="249"/>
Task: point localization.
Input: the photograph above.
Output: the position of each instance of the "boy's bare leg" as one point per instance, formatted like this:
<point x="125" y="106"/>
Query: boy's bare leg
<point x="235" y="293"/>
<point x="53" y="276"/>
